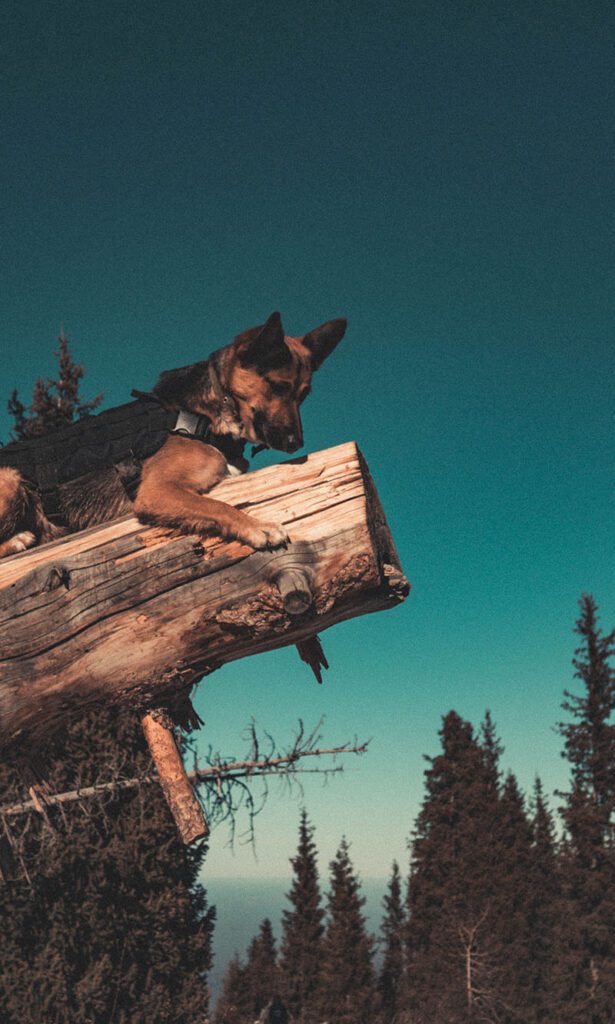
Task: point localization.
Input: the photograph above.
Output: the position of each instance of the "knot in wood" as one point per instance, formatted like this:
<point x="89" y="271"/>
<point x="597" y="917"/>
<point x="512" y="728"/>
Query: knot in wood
<point x="58" y="576"/>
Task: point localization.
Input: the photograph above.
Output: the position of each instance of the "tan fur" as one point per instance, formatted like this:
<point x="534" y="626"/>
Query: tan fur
<point x="22" y="520"/>
<point x="252" y="390"/>
<point x="10" y="487"/>
<point x="172" y="493"/>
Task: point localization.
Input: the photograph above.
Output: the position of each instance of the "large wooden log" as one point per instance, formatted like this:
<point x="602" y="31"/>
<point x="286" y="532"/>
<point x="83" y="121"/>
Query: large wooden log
<point x="130" y="614"/>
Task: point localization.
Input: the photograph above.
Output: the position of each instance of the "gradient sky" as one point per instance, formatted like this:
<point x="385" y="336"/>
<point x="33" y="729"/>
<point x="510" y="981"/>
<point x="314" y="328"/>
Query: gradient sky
<point x="441" y="174"/>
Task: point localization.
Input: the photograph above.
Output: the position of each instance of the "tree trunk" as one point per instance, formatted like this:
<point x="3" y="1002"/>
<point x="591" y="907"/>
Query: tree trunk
<point x="134" y="615"/>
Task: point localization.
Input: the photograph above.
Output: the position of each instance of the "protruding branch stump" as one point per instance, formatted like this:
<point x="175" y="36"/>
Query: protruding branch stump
<point x="180" y="796"/>
<point x="133" y="615"/>
<point x="294" y="586"/>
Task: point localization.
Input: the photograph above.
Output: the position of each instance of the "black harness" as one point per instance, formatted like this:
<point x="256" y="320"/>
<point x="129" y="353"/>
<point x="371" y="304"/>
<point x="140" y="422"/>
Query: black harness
<point x="82" y="455"/>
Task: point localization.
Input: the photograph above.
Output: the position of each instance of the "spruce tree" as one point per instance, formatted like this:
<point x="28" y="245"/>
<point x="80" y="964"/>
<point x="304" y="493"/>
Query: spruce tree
<point x="233" y="1005"/>
<point x="55" y="402"/>
<point x="391" y="982"/>
<point x="112" y="924"/>
<point x="512" y="856"/>
<point x="451" y="892"/>
<point x="348" y="984"/>
<point x="545" y="908"/>
<point x="467" y="931"/>
<point x="586" y="967"/>
<point x="261" y="970"/>
<point x="492" y="751"/>
<point x="247" y="990"/>
<point x="302" y="932"/>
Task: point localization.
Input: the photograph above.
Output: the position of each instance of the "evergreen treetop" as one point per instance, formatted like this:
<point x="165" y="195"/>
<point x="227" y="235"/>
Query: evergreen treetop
<point x="261" y="971"/>
<point x="348" y="983"/>
<point x="55" y="402"/>
<point x="234" y="1002"/>
<point x="391" y="982"/>
<point x="589" y="740"/>
<point x="545" y="909"/>
<point x="301" y="953"/>
<point x="586" y="965"/>
<point x="467" y="931"/>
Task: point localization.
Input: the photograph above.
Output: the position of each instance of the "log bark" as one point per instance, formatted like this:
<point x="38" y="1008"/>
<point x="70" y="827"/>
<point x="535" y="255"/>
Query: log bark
<point x="133" y="615"/>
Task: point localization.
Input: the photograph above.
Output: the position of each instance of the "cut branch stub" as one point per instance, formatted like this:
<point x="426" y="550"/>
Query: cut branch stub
<point x="148" y="612"/>
<point x="180" y="796"/>
<point x="294" y="586"/>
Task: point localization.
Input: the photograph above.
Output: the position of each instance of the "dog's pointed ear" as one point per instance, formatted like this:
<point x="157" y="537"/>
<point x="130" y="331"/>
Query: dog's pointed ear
<point x="264" y="346"/>
<point x="322" y="340"/>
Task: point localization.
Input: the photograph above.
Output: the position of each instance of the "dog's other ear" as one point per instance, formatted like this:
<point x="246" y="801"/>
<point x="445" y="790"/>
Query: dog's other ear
<point x="264" y="346"/>
<point x="322" y="340"/>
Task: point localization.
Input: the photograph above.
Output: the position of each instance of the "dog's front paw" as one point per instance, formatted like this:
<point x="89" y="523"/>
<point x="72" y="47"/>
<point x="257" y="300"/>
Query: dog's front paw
<point x="267" y="536"/>
<point x="21" y="542"/>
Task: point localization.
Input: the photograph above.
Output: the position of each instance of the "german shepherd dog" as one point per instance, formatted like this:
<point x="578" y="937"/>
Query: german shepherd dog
<point x="249" y="391"/>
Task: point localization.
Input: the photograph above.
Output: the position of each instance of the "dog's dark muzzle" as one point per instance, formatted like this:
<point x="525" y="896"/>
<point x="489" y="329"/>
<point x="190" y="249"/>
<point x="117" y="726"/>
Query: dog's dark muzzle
<point x="284" y="439"/>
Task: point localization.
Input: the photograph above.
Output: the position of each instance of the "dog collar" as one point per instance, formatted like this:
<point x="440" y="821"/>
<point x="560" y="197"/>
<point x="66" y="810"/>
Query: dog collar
<point x="191" y="425"/>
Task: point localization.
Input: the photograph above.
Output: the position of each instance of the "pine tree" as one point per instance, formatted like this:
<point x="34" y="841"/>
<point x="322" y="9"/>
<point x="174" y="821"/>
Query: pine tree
<point x="544" y="909"/>
<point x="233" y="1005"/>
<point x="451" y="893"/>
<point x="586" y="974"/>
<point x="492" y="751"/>
<point x="468" y="900"/>
<point x="301" y="954"/>
<point x="54" y="402"/>
<point x="248" y="990"/>
<point x="348" y="983"/>
<point x="113" y="924"/>
<point x="261" y="971"/>
<point x="391" y="983"/>
<point x="512" y="856"/>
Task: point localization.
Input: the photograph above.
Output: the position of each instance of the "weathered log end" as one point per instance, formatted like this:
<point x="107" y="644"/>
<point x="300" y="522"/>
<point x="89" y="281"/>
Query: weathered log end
<point x="133" y="615"/>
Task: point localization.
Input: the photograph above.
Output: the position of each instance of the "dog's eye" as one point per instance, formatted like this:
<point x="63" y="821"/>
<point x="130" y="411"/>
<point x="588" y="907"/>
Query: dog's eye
<point x="280" y="387"/>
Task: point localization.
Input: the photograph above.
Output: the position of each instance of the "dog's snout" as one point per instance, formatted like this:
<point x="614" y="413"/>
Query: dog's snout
<point x="293" y="443"/>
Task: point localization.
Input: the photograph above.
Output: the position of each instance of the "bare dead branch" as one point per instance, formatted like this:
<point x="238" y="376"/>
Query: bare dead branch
<point x="230" y="771"/>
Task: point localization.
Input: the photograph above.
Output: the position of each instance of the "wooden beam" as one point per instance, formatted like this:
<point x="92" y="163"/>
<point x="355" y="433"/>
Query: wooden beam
<point x="133" y="615"/>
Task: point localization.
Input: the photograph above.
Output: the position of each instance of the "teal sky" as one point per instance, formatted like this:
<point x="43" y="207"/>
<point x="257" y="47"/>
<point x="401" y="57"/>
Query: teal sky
<point x="441" y="174"/>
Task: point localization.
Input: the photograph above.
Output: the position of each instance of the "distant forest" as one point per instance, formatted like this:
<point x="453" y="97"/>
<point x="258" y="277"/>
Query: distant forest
<point x="506" y="916"/>
<point x="499" y="920"/>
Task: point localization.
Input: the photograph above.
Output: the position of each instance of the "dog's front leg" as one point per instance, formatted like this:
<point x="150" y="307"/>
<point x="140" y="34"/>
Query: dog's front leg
<point x="186" y="510"/>
<point x="171" y="494"/>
